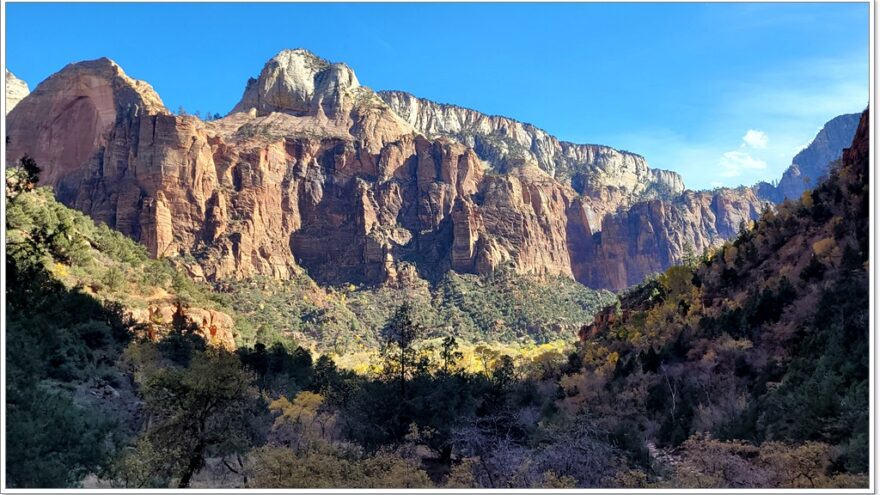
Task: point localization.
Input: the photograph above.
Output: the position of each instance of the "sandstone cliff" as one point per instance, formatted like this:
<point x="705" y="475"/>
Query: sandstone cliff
<point x="654" y="235"/>
<point x="628" y="220"/>
<point x="327" y="177"/>
<point x="313" y="170"/>
<point x="618" y="178"/>
<point x="16" y="90"/>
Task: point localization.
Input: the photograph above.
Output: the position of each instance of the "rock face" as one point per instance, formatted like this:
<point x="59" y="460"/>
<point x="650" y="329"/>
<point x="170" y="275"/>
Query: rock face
<point x="16" y="90"/>
<point x="69" y="116"/>
<point x="618" y="178"/>
<point x="313" y="170"/>
<point x="626" y="220"/>
<point x="653" y="235"/>
<point x="214" y="326"/>
<point x="302" y="84"/>
<point x="813" y="162"/>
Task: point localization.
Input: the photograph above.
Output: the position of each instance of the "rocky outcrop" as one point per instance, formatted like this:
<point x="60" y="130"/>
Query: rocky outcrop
<point x="312" y="170"/>
<point x="68" y="117"/>
<point x="812" y="163"/>
<point x="16" y="90"/>
<point x="158" y="319"/>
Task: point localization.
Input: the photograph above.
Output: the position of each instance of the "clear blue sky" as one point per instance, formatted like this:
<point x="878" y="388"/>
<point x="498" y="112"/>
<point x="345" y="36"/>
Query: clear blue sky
<point x="681" y="84"/>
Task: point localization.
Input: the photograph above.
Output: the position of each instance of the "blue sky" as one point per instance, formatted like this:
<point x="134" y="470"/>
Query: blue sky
<point x="725" y="94"/>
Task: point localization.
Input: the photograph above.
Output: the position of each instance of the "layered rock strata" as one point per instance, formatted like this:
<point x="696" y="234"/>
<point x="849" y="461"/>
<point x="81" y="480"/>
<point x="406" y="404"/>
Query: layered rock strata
<point x="312" y="170"/>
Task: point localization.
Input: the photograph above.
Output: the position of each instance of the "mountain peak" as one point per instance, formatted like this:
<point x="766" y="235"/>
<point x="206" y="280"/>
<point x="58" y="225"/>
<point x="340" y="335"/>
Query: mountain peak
<point x="75" y="108"/>
<point x="85" y="77"/>
<point x="102" y="63"/>
<point x="300" y="55"/>
<point x="299" y="82"/>
<point x="16" y="90"/>
<point x="814" y="161"/>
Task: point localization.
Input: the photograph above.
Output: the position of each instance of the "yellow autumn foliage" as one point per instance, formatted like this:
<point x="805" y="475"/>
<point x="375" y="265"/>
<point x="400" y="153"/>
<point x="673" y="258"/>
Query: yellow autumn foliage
<point x="60" y="270"/>
<point x="807" y="199"/>
<point x="824" y="246"/>
<point x="477" y="357"/>
<point x="730" y="253"/>
<point x="302" y="410"/>
<point x="275" y="467"/>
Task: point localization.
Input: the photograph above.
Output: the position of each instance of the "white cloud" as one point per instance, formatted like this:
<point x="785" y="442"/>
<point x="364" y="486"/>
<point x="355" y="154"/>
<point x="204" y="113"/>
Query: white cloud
<point x="733" y="163"/>
<point x="755" y="139"/>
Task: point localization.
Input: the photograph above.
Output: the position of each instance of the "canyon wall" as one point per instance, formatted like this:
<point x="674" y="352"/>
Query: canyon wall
<point x="312" y="170"/>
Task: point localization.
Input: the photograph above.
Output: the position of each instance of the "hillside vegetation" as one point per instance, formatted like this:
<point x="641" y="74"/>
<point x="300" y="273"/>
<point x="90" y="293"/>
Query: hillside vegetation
<point x="94" y="258"/>
<point x="503" y="308"/>
<point x="71" y="288"/>
<point x="750" y="365"/>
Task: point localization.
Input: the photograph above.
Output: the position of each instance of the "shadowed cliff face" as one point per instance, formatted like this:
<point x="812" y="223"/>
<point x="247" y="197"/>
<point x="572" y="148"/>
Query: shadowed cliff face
<point x="654" y="235"/>
<point x="313" y="170"/>
<point x="812" y="163"/>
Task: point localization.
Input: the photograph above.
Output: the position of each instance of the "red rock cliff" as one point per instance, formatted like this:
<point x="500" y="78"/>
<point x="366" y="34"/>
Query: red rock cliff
<point x="313" y="170"/>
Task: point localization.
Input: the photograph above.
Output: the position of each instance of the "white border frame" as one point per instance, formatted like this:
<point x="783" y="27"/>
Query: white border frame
<point x="872" y="291"/>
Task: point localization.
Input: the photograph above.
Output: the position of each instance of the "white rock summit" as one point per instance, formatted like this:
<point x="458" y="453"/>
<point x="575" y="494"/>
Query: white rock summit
<point x="615" y="179"/>
<point x="301" y="93"/>
<point x="300" y="83"/>
<point x="16" y="90"/>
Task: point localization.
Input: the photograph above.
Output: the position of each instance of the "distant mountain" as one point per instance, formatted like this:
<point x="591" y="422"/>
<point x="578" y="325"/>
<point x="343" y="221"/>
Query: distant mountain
<point x="813" y="162"/>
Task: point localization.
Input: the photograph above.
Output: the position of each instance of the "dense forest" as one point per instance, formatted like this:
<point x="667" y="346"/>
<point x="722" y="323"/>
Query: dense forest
<point x="745" y="367"/>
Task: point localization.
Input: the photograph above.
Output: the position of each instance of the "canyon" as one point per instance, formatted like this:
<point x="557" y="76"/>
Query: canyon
<point x="311" y="171"/>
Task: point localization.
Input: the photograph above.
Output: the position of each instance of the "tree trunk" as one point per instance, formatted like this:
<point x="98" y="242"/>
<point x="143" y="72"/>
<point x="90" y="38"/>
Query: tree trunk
<point x="243" y="471"/>
<point x="195" y="462"/>
<point x="402" y="373"/>
<point x="446" y="455"/>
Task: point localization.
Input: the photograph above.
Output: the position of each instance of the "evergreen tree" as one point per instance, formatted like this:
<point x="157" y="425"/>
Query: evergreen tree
<point x="400" y="334"/>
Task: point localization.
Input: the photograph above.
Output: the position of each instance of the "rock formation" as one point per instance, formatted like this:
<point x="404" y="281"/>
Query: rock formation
<point x="633" y="220"/>
<point x="313" y="170"/>
<point x="16" y="90"/>
<point x="159" y="318"/>
<point x="617" y="178"/>
<point x="653" y="235"/>
<point x="813" y="162"/>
